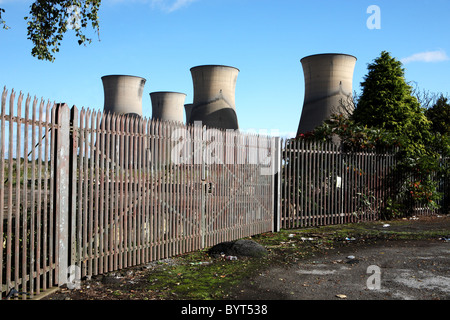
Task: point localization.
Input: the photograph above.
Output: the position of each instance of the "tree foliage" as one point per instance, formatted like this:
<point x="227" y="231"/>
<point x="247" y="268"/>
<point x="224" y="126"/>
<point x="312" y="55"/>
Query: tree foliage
<point x="352" y="136"/>
<point x="3" y="22"/>
<point x="49" y="20"/>
<point x="439" y="115"/>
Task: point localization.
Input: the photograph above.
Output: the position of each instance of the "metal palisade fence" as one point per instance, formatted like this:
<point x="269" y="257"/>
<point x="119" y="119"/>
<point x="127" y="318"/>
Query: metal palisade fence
<point x="322" y="185"/>
<point x="27" y="216"/>
<point x="86" y="193"/>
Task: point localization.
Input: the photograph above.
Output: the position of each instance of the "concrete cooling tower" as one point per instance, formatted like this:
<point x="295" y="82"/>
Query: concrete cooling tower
<point x="214" y="96"/>
<point x="328" y="83"/>
<point x="188" y="110"/>
<point x="123" y="94"/>
<point x="168" y="106"/>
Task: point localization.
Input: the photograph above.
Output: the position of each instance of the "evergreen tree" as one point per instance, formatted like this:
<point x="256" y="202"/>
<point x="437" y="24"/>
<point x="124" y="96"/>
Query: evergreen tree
<point x="387" y="103"/>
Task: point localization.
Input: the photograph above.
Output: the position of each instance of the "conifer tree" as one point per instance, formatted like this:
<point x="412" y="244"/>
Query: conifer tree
<point x="386" y="102"/>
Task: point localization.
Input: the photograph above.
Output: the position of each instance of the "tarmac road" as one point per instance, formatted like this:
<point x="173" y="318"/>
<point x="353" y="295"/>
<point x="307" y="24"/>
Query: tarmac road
<point x="386" y="270"/>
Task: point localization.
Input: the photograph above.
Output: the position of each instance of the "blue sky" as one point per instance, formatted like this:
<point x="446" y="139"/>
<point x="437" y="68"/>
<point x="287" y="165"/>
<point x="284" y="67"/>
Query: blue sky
<point x="161" y="40"/>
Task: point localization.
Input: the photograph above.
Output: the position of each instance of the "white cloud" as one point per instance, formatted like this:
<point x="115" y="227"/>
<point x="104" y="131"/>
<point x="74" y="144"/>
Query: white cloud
<point x="164" y="5"/>
<point x="428" y="56"/>
<point x="171" y="6"/>
<point x="180" y="4"/>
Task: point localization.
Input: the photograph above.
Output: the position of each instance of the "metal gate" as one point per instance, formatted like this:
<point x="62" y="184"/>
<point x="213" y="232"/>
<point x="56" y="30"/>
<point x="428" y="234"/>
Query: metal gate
<point x="238" y="186"/>
<point x="146" y="190"/>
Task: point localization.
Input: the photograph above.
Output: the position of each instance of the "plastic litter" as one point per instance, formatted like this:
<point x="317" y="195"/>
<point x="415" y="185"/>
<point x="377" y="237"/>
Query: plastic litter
<point x="386" y="225"/>
<point x="291" y="235"/>
<point x="306" y="239"/>
<point x="200" y="263"/>
<point x="231" y="257"/>
<point x="351" y="257"/>
<point x="341" y="296"/>
<point x="350" y="239"/>
<point x="13" y="292"/>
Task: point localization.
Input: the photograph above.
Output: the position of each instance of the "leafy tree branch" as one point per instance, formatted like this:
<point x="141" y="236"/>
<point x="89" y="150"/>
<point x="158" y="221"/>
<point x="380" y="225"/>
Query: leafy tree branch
<point x="49" y="20"/>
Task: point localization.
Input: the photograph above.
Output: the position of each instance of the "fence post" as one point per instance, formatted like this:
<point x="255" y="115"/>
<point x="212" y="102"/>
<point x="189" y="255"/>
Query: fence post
<point x="201" y="134"/>
<point x="277" y="185"/>
<point x="73" y="184"/>
<point x="61" y="197"/>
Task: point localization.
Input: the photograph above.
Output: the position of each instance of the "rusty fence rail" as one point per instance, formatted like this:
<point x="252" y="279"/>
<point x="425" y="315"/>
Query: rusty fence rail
<point x="84" y="193"/>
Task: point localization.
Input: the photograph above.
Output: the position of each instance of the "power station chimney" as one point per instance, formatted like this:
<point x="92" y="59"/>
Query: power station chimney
<point x="328" y="85"/>
<point x="123" y="94"/>
<point x="167" y="106"/>
<point x="214" y="96"/>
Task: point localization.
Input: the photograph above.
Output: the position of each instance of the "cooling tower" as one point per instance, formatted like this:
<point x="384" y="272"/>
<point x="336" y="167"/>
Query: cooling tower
<point x="167" y="106"/>
<point x="188" y="110"/>
<point x="328" y="83"/>
<point x="123" y="94"/>
<point x="214" y="96"/>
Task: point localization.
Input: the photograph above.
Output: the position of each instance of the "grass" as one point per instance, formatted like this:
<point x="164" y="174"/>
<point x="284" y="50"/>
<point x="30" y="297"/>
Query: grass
<point x="45" y="174"/>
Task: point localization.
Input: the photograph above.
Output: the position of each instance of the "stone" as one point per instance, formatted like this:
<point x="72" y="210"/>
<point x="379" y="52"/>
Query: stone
<point x="239" y="248"/>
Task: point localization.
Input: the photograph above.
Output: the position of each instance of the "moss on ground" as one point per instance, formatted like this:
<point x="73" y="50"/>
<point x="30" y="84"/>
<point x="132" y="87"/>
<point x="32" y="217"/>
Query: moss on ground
<point x="196" y="276"/>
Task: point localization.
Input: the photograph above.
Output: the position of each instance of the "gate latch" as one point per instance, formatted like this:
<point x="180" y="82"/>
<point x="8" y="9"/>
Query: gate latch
<point x="209" y="187"/>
